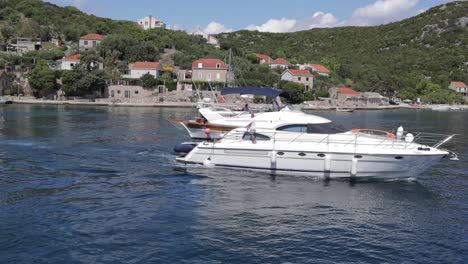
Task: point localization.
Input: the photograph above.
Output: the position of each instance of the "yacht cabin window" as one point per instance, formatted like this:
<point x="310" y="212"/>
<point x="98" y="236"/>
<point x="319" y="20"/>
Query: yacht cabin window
<point x="324" y="128"/>
<point x="258" y="137"/>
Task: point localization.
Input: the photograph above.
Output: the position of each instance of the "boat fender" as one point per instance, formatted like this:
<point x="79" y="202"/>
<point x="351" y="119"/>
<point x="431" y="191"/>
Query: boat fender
<point x="208" y="163"/>
<point x="400" y="132"/>
<point x="409" y="138"/>
<point x="327" y="162"/>
<point x="354" y="163"/>
<point x="183" y="148"/>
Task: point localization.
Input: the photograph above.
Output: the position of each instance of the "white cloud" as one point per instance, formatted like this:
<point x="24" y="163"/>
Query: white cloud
<point x="215" y="28"/>
<point x="381" y="11"/>
<point x="275" y="25"/>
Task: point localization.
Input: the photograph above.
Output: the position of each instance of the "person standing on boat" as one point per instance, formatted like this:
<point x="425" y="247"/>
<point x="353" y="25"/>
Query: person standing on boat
<point x="246" y="108"/>
<point x="251" y="129"/>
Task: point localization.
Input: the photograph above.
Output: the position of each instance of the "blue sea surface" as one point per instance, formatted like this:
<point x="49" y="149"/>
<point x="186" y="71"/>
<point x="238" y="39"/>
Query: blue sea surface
<point x="100" y="185"/>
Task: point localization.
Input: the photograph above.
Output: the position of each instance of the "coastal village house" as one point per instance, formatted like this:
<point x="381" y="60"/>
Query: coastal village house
<point x="320" y="69"/>
<point x="24" y="45"/>
<point x="459" y="87"/>
<point x="90" y="41"/>
<point x="264" y="59"/>
<point x="347" y="97"/>
<point x="299" y="76"/>
<point x="149" y="22"/>
<point x="141" y="68"/>
<point x="279" y="63"/>
<point x="209" y="70"/>
<point x="67" y="63"/>
<point x="120" y="92"/>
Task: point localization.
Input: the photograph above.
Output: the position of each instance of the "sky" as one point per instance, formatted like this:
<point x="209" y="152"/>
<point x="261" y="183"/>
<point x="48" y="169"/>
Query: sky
<point x="216" y="16"/>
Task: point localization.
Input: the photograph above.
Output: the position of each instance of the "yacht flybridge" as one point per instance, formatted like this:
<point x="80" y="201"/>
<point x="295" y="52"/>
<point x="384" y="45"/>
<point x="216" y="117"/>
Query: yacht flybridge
<point x="288" y="142"/>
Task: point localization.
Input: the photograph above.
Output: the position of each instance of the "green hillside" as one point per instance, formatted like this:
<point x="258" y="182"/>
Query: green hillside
<point x="432" y="46"/>
<point x="381" y="58"/>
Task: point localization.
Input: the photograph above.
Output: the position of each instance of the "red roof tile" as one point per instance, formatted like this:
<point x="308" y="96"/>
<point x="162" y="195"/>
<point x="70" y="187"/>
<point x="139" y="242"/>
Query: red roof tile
<point x="75" y="57"/>
<point x="145" y="65"/>
<point x="300" y="72"/>
<point x="347" y="90"/>
<point x="280" y="61"/>
<point x="459" y="84"/>
<point x="263" y="56"/>
<point x="92" y="37"/>
<point x="320" y="68"/>
<point x="209" y="64"/>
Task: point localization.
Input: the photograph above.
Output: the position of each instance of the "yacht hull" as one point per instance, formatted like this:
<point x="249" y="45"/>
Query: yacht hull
<point x="314" y="164"/>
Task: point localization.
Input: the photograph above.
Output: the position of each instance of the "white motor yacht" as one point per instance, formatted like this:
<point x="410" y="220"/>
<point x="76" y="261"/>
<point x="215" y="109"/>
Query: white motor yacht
<point x="290" y="142"/>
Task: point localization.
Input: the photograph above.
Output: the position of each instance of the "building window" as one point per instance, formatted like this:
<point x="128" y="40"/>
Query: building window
<point x="298" y="78"/>
<point x="118" y="91"/>
<point x="208" y="76"/>
<point x="94" y="43"/>
<point x="307" y="78"/>
<point x="112" y="93"/>
<point x="72" y="64"/>
<point x="218" y="76"/>
<point x="86" y="43"/>
<point x="136" y="92"/>
<point x="307" y="87"/>
<point x="127" y="94"/>
<point x="200" y="65"/>
<point x="146" y="23"/>
<point x="218" y="65"/>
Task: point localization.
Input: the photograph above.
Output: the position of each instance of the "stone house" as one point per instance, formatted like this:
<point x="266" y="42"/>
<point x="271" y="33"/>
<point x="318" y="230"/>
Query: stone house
<point x="149" y="22"/>
<point x="299" y="76"/>
<point x="347" y="97"/>
<point x="141" y="68"/>
<point x="280" y="62"/>
<point x="209" y="70"/>
<point x="24" y="45"/>
<point x="90" y="41"/>
<point x="459" y="87"/>
<point x="128" y="92"/>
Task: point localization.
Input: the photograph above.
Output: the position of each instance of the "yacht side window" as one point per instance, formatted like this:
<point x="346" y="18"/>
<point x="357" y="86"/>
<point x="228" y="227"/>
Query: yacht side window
<point x="293" y="128"/>
<point x="258" y="137"/>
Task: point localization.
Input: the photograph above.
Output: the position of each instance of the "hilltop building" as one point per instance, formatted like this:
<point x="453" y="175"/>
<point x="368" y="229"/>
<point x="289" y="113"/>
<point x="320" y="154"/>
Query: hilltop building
<point x="279" y="62"/>
<point x="67" y="63"/>
<point x="90" y="41"/>
<point x="141" y="68"/>
<point x="320" y="69"/>
<point x="209" y="70"/>
<point x="211" y="39"/>
<point x="459" y="87"/>
<point x="149" y="22"/>
<point x="299" y="76"/>
<point x="264" y="59"/>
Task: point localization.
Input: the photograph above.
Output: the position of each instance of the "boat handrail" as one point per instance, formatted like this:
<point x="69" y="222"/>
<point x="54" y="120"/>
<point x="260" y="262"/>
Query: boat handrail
<point x="425" y="139"/>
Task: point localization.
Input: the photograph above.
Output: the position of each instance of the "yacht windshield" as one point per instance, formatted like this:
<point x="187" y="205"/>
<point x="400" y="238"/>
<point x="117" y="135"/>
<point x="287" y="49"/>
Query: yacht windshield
<point x="324" y="128"/>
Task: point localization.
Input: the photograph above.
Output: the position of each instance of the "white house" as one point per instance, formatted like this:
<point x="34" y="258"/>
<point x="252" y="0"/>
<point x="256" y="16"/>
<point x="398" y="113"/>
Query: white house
<point x="459" y="87"/>
<point x="141" y="68"/>
<point x="149" y="22"/>
<point x="90" y="41"/>
<point x="67" y="63"/>
<point x="264" y="59"/>
<point x="299" y="76"/>
<point x="280" y="62"/>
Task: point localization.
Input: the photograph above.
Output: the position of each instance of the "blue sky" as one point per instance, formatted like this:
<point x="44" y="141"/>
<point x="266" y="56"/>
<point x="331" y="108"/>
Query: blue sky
<point x="214" y="16"/>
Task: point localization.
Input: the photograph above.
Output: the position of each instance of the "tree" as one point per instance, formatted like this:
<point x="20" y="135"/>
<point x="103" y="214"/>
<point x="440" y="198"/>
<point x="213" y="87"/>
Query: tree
<point x="148" y="81"/>
<point x="43" y="79"/>
<point x="295" y="90"/>
<point x="80" y="82"/>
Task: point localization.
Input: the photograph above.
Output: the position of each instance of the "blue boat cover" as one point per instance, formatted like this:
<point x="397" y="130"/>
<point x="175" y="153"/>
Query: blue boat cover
<point x="271" y="92"/>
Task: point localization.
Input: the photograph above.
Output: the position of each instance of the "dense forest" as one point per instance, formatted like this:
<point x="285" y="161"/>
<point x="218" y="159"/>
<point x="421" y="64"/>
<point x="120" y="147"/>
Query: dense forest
<point x="399" y="57"/>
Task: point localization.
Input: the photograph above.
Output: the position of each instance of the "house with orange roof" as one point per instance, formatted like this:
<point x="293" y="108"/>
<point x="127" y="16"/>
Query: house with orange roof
<point x="209" y="70"/>
<point x="342" y="94"/>
<point x="279" y="63"/>
<point x="320" y="69"/>
<point x="140" y="68"/>
<point x="90" y="41"/>
<point x="304" y="77"/>
<point x="67" y="63"/>
<point x="264" y="59"/>
<point x="459" y="87"/>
